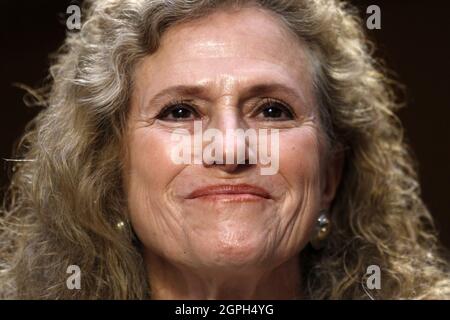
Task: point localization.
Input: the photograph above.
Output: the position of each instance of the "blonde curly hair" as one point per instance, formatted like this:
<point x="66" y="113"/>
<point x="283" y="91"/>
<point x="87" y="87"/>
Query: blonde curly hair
<point x="65" y="198"/>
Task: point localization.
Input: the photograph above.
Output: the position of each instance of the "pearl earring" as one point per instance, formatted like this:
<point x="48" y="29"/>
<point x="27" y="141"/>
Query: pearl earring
<point x="323" y="228"/>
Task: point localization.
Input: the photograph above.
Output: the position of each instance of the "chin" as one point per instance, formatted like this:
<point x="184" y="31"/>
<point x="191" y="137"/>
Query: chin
<point x="234" y="254"/>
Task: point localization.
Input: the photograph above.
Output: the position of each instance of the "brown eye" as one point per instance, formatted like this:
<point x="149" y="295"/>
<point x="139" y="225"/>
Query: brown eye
<point x="178" y="112"/>
<point x="274" y="110"/>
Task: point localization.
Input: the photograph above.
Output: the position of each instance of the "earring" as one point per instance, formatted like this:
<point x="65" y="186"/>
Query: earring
<point x="323" y="228"/>
<point x="122" y="225"/>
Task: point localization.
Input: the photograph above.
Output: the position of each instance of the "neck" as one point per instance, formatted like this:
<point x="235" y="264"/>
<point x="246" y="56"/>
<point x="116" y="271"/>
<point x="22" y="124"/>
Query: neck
<point x="174" y="282"/>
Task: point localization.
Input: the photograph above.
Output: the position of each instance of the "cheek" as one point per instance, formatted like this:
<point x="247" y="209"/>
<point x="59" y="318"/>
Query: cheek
<point x="300" y="168"/>
<point x="149" y="171"/>
<point x="149" y="157"/>
<point x="300" y="156"/>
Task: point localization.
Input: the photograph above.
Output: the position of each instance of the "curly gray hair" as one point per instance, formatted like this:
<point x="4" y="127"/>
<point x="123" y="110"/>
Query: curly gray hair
<point x="64" y="206"/>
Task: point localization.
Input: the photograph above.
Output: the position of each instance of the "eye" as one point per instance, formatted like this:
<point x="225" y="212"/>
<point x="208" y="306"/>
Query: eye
<point x="178" y="111"/>
<point x="274" y="110"/>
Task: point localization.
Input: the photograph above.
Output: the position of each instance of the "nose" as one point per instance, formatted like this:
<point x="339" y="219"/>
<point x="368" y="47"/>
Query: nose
<point x="228" y="123"/>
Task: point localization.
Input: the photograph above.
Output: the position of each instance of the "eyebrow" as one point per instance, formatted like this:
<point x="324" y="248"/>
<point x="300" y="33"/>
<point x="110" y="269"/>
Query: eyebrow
<point x="200" y="90"/>
<point x="270" y="88"/>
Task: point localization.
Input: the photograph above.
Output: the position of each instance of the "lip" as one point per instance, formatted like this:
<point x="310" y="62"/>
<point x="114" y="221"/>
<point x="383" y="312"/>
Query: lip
<point x="227" y="192"/>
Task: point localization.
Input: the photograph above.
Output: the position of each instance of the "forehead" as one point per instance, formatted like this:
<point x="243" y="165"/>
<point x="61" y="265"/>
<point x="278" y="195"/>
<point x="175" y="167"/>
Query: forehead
<point x="243" y="46"/>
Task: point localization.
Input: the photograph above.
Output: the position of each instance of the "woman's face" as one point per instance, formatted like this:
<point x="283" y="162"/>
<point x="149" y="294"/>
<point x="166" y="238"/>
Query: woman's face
<point x="225" y="215"/>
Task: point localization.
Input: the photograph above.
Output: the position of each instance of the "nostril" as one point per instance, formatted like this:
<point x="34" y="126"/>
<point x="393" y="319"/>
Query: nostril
<point x="231" y="168"/>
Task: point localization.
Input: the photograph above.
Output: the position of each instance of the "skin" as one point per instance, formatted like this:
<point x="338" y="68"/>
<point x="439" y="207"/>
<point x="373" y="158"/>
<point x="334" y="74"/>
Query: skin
<point x="226" y="247"/>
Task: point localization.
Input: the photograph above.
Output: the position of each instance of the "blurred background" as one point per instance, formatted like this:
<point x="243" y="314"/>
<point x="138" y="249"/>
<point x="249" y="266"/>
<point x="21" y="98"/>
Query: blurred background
<point x="414" y="40"/>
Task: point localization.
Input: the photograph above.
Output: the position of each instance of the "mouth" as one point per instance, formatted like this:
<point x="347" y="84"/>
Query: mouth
<point x="230" y="193"/>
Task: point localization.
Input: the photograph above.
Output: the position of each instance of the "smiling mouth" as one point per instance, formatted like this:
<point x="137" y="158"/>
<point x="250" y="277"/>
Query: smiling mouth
<point x="230" y="193"/>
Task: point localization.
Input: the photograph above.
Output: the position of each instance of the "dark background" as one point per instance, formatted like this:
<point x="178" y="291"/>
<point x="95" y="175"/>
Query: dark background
<point x="414" y="40"/>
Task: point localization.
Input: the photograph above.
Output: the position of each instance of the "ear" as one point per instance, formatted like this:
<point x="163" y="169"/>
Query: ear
<point x="332" y="178"/>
